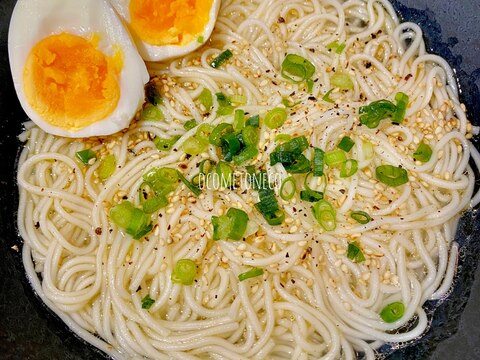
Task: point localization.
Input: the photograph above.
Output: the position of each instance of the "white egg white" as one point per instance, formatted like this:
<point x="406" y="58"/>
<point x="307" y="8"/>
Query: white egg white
<point x="167" y="52"/>
<point x="34" y="20"/>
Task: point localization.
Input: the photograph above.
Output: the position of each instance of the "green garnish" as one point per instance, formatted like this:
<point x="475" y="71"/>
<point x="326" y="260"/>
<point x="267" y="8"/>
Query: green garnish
<point x="342" y="81"/>
<point x="325" y="215"/>
<point x="231" y="226"/>
<point x="391" y="175"/>
<point x="275" y="118"/>
<point x="151" y="113"/>
<point x="354" y="253"/>
<point x="348" y="168"/>
<point x="86" y="156"/>
<point x="335" y="158"/>
<point x="423" y="153"/>
<point x="107" y="166"/>
<point x="184" y="272"/>
<point x="134" y="221"/>
<point x="147" y="302"/>
<point x="250" y="274"/>
<point x="392" y="312"/>
<point x="327" y="97"/>
<point x="346" y="144"/>
<point x="402" y="104"/>
<point x="206" y="98"/>
<point x="361" y="217"/>
<point x="336" y="46"/>
<point x="297" y="69"/>
<point x="165" y="144"/>
<point x="220" y="59"/>
<point x="190" y="124"/>
<point x="288" y="188"/>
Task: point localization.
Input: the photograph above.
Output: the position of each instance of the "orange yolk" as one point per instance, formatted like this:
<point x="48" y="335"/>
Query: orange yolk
<point x="169" y="22"/>
<point x="71" y="83"/>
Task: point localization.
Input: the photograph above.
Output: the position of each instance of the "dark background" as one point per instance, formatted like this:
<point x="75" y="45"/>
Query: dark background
<point x="29" y="331"/>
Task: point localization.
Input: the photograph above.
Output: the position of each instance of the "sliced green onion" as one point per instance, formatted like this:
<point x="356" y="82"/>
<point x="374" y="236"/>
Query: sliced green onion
<point x="268" y="205"/>
<point x="230" y="146"/>
<point x="250" y="136"/>
<point x="190" y="124"/>
<point x="225" y="174"/>
<point x="250" y="274"/>
<point x="336" y="46"/>
<point x="246" y="154"/>
<point x="220" y="130"/>
<point x="194" y="145"/>
<point x="311" y="195"/>
<point x="354" y="253"/>
<point x="325" y="214"/>
<point x="361" y="217"/>
<point x="296" y="68"/>
<point x="348" y="168"/>
<point x="346" y="144"/>
<point x="288" y="104"/>
<point x="204" y="131"/>
<point x="206" y="98"/>
<point x="147" y="302"/>
<point x="231" y="226"/>
<point x="184" y="272"/>
<point x="162" y="180"/>
<point x="152" y="94"/>
<point x="368" y="151"/>
<point x="154" y="204"/>
<point x="238" y="221"/>
<point x="392" y="312"/>
<point x="335" y="158"/>
<point x="195" y="190"/>
<point x="342" y="81"/>
<point x="300" y="165"/>
<point x="275" y="118"/>
<point x="238" y="99"/>
<point x="391" y="175"/>
<point x="288" y="152"/>
<point x="275" y="218"/>
<point x="402" y="104"/>
<point x="165" y="144"/>
<point x="135" y="222"/>
<point x="283" y="137"/>
<point x="239" y="120"/>
<point x="225" y="110"/>
<point x="220" y="59"/>
<point x="372" y="114"/>
<point x="151" y="113"/>
<point x="86" y="156"/>
<point x="288" y="188"/>
<point x="310" y="84"/>
<point x="221" y="227"/>
<point x="225" y="105"/>
<point x="206" y="166"/>
<point x="423" y="153"/>
<point x="253" y="121"/>
<point x="200" y="39"/>
<point x="318" y="161"/>
<point x="107" y="166"/>
<point x="327" y="97"/>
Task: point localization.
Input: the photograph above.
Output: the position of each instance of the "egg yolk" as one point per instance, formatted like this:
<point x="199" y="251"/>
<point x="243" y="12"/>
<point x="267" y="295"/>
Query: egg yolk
<point x="169" y="22"/>
<point x="70" y="83"/>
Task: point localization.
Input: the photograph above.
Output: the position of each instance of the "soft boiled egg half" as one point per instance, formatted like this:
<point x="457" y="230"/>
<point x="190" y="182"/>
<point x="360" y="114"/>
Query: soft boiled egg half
<point x="165" y="29"/>
<point x="75" y="67"/>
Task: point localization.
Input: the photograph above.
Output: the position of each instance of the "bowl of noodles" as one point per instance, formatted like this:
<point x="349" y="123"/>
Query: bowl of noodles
<point x="303" y="185"/>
